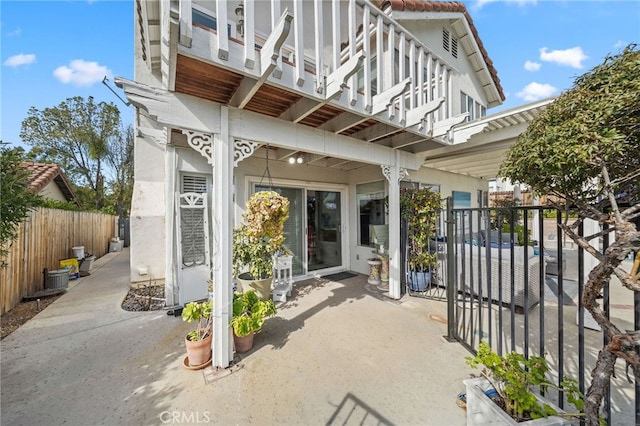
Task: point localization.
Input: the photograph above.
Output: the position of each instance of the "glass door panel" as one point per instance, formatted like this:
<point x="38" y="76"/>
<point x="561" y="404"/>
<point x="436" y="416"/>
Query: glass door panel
<point x="324" y="239"/>
<point x="293" y="238"/>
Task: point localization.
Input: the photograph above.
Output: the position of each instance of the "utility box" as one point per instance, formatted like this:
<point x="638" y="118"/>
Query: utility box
<point x="115" y="246"/>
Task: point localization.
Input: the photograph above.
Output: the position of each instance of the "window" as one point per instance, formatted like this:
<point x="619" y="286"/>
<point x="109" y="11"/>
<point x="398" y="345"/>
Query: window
<point x="374" y="77"/>
<point x="475" y="109"/>
<point x="208" y="21"/>
<point x="371" y="209"/>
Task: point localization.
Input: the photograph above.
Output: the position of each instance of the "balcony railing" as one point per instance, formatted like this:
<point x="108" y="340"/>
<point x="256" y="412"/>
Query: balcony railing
<point x="348" y="53"/>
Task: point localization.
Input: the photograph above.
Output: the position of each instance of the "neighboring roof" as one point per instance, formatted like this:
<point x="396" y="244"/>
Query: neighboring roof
<point x="446" y="6"/>
<point x="42" y="174"/>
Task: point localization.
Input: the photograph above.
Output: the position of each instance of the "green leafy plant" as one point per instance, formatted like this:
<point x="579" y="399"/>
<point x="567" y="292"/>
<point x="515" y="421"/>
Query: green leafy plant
<point x="582" y="152"/>
<point x="199" y="312"/>
<point x="420" y="207"/>
<point x="17" y="199"/>
<point x="262" y="234"/>
<point x="249" y="312"/>
<point x="514" y="377"/>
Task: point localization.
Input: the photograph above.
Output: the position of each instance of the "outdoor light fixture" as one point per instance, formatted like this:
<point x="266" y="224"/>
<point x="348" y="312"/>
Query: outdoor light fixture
<point x="240" y="15"/>
<point x="296" y="159"/>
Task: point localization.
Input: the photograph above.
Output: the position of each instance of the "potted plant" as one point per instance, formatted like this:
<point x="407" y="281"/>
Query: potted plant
<point x="419" y="208"/>
<point x="198" y="341"/>
<point x="249" y="314"/>
<point x="507" y="387"/>
<point x="257" y="241"/>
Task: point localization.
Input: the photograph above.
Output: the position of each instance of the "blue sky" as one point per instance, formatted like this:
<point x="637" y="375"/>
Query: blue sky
<point x="54" y="50"/>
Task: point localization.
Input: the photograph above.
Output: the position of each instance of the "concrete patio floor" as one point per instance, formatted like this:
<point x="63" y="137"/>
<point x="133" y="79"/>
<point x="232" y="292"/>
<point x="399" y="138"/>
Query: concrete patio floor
<point x="337" y="353"/>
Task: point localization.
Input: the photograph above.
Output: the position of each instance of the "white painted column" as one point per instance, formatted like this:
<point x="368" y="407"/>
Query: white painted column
<point x="393" y="175"/>
<point x="591" y="227"/>
<point x="222" y="208"/>
<point x="517" y="194"/>
<point x="170" y="277"/>
<point x="535" y="225"/>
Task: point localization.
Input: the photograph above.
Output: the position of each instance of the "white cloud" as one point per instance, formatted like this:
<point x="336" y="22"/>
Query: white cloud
<point x="620" y="45"/>
<point x="532" y="66"/>
<point x="480" y="3"/>
<point x="535" y="91"/>
<point x="81" y="73"/>
<point x="15" y="33"/>
<point x="21" y="59"/>
<point x="569" y="57"/>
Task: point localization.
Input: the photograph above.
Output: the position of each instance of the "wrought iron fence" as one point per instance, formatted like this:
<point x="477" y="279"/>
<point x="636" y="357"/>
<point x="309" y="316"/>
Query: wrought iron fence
<point x="510" y="277"/>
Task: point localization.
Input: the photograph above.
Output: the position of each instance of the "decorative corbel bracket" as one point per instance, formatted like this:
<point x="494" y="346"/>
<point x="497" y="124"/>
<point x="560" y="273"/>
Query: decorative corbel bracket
<point x="386" y="171"/>
<point x="201" y="142"/>
<point x="243" y="149"/>
<point x="416" y="115"/>
<point x="384" y="100"/>
<point x="338" y="79"/>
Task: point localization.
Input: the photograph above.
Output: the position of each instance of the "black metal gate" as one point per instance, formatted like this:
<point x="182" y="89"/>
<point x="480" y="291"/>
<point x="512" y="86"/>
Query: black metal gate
<point x="511" y="278"/>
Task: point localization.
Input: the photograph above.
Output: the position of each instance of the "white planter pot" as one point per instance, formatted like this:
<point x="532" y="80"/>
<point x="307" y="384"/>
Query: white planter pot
<point x="483" y="411"/>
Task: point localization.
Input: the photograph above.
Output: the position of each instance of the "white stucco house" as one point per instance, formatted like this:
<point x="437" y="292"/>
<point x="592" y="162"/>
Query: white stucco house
<point x="364" y="97"/>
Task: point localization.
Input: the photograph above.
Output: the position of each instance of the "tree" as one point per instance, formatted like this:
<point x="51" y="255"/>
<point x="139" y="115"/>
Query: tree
<point x="15" y="198"/>
<point x="75" y="135"/>
<point x="120" y="158"/>
<point x="584" y="149"/>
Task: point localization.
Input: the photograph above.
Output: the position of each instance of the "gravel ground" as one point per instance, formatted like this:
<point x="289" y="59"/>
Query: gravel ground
<point x="22" y="313"/>
<point x="144" y="298"/>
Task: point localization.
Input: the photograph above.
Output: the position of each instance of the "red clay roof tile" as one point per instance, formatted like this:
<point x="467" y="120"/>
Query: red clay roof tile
<point x="42" y="174"/>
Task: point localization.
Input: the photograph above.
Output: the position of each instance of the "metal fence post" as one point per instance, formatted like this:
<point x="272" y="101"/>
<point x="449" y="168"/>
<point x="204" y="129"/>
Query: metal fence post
<point x="451" y="294"/>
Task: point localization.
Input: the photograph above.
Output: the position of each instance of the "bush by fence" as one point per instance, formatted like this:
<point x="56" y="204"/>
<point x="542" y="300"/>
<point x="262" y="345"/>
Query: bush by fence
<point x="44" y="238"/>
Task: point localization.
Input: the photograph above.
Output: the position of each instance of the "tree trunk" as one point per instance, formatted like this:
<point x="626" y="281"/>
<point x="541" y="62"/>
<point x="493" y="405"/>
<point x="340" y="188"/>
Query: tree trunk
<point x="622" y="344"/>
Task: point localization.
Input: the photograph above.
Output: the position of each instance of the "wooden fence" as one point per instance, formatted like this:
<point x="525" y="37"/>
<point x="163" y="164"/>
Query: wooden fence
<point x="44" y="238"/>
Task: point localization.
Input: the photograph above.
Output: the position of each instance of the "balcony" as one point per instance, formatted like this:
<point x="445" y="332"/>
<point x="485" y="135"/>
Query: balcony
<point x="345" y="67"/>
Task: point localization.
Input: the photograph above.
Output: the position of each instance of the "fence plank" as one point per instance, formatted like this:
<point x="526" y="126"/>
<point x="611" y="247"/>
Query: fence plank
<point x="45" y="237"/>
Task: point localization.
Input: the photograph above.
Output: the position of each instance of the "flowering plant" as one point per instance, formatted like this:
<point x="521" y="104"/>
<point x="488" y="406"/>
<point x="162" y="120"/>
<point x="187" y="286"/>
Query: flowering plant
<point x="261" y="236"/>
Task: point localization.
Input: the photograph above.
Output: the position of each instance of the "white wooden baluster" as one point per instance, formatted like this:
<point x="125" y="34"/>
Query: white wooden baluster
<point x="438" y="93"/>
<point x="186" y="29"/>
<point x="275" y="17"/>
<point x="249" y="35"/>
<point x="390" y="68"/>
<point x="412" y="73"/>
<point x="298" y="22"/>
<point x="366" y="47"/>
<point x="380" y="69"/>
<point x="353" y="81"/>
<point x="335" y="24"/>
<point x="222" y="41"/>
<point x="319" y="20"/>
<point x="402" y="73"/>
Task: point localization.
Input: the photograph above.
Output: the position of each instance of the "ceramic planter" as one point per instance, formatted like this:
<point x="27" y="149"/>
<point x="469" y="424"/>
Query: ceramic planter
<point x="243" y="344"/>
<point x="419" y="280"/>
<point x="198" y="352"/>
<point x="482" y="411"/>
<point x="262" y="287"/>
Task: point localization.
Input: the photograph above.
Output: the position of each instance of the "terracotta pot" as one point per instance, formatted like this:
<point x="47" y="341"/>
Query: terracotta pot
<point x="244" y="343"/>
<point x="199" y="352"/>
<point x="262" y="287"/>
